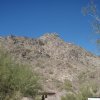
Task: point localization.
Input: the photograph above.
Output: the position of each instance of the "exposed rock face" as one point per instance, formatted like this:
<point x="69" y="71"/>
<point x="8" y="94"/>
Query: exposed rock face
<point x="55" y="60"/>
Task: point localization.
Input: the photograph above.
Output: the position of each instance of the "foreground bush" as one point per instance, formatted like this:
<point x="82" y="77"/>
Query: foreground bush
<point x="69" y="97"/>
<point x="16" y="80"/>
<point x="84" y="93"/>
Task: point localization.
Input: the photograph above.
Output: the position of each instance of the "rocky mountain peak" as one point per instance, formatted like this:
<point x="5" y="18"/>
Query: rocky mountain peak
<point x="55" y="60"/>
<point x="50" y="36"/>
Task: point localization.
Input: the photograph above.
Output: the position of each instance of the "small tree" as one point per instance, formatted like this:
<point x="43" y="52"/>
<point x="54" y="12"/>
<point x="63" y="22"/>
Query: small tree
<point x="92" y="11"/>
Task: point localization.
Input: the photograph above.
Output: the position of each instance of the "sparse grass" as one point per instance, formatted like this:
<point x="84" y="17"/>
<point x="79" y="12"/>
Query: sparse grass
<point x="94" y="88"/>
<point x="84" y="93"/>
<point x="68" y="85"/>
<point x="69" y="97"/>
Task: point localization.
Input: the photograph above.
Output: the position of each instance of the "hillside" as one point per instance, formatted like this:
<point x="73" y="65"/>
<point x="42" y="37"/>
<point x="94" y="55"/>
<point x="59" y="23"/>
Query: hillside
<point x="56" y="61"/>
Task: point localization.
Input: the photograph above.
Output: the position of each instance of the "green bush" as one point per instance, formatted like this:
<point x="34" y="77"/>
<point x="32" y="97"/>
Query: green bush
<point x="16" y="80"/>
<point x="69" y="97"/>
<point x="68" y="85"/>
<point x="84" y="93"/>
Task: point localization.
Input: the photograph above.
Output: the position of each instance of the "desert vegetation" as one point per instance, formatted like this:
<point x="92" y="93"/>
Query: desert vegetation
<point x="85" y="91"/>
<point x="16" y="80"/>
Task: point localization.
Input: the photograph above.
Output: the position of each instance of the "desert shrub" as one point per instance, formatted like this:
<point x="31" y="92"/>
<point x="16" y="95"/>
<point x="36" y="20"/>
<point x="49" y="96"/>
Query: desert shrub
<point x="84" y="93"/>
<point x="69" y="97"/>
<point x="95" y="88"/>
<point x="16" y="80"/>
<point x="68" y="85"/>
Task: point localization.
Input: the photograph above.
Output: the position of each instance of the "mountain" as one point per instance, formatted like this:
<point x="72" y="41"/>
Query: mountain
<point x="63" y="67"/>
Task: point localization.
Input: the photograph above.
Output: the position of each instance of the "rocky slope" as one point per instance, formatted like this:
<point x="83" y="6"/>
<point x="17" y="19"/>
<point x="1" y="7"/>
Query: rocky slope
<point x="56" y="61"/>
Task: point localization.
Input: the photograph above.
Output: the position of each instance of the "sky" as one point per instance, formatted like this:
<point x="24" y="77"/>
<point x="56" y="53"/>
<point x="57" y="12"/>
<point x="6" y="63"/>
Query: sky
<point x="33" y="18"/>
